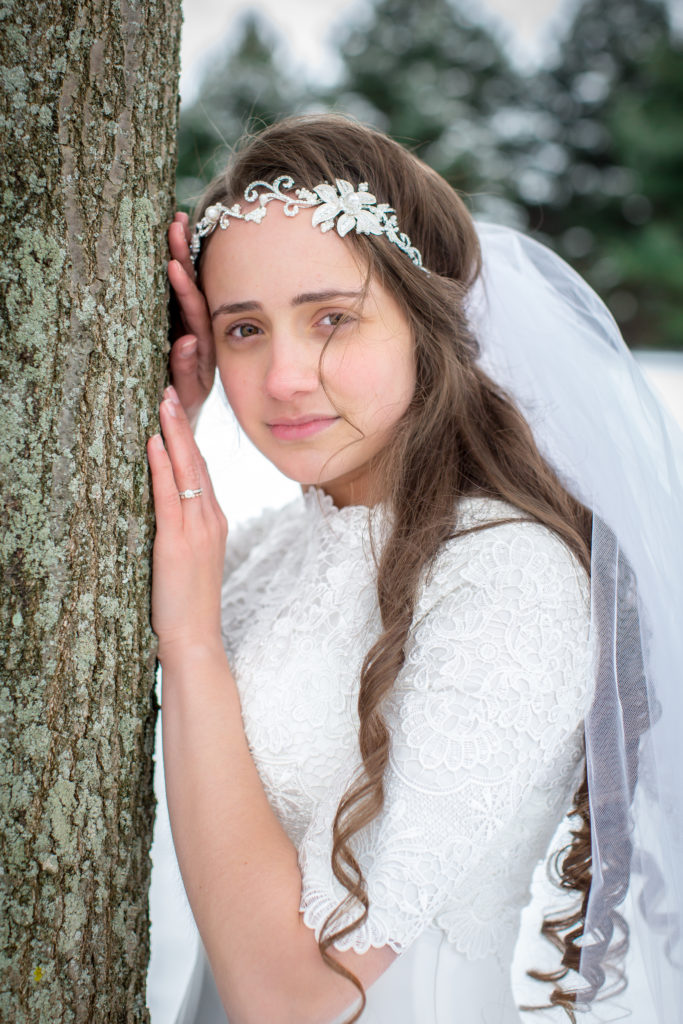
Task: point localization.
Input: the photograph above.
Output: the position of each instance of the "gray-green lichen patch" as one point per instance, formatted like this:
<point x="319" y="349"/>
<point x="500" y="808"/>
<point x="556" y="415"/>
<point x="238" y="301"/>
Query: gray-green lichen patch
<point x="60" y="807"/>
<point x="37" y="740"/>
<point x="128" y="731"/>
<point x="49" y="864"/>
<point x="75" y="921"/>
<point x="15" y="82"/>
<point x="86" y="309"/>
<point x="96" y="450"/>
<point x="32" y="298"/>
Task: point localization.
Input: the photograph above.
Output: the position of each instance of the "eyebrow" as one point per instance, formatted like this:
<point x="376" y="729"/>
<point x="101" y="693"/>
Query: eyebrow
<point x="298" y="300"/>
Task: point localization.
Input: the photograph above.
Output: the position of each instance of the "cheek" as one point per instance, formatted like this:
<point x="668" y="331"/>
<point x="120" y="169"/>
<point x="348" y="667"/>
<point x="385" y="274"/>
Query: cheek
<point x="393" y="399"/>
<point x="379" y="389"/>
<point x="370" y="397"/>
<point x="239" y="387"/>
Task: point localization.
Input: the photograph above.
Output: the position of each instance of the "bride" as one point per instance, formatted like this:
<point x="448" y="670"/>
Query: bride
<point x="379" y="702"/>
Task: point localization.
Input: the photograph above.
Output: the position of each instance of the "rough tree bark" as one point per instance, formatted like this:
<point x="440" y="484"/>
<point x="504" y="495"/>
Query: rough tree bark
<point x="88" y="119"/>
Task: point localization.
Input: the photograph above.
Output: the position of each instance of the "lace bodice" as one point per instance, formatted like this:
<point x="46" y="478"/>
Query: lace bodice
<point x="485" y="716"/>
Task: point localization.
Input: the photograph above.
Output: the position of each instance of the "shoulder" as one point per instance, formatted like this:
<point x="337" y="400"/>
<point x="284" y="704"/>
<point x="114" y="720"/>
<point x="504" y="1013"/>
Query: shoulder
<point x="495" y="544"/>
<point x="513" y="580"/>
<point x="272" y="529"/>
<point x="502" y="620"/>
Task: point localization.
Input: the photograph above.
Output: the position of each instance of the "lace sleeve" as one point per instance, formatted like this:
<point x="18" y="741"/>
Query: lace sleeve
<point x="486" y="739"/>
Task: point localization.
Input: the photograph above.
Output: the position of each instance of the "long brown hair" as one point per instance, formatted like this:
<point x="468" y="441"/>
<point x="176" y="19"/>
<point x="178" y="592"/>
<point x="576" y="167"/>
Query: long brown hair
<point x="461" y="436"/>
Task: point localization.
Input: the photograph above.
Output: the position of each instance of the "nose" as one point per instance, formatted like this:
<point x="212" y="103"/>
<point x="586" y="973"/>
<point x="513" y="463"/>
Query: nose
<point x="292" y="368"/>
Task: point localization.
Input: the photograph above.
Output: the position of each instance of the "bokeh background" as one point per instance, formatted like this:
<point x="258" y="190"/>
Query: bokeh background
<point x="561" y="117"/>
<point x="567" y="123"/>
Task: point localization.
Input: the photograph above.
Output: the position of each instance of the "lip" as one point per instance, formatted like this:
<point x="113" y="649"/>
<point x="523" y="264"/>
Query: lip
<point x="300" y="427"/>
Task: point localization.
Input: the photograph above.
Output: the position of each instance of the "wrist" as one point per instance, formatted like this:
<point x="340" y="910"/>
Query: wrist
<point x="180" y="652"/>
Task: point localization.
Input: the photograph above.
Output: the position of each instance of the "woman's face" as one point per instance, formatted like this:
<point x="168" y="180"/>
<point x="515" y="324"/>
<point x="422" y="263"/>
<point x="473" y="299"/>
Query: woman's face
<point x="275" y="290"/>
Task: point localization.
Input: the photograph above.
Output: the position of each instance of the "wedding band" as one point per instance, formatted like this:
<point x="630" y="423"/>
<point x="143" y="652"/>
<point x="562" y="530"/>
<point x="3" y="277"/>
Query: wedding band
<point x="190" y="494"/>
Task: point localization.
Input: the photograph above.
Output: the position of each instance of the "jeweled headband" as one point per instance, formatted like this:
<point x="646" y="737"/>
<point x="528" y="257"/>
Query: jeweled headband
<point x="339" y="206"/>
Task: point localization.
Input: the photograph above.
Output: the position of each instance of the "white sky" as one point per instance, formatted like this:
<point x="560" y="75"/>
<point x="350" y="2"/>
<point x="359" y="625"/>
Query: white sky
<point x="307" y="27"/>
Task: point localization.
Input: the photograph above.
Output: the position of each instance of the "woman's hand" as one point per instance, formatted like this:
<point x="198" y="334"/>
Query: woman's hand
<point x="193" y="360"/>
<point x="189" y="546"/>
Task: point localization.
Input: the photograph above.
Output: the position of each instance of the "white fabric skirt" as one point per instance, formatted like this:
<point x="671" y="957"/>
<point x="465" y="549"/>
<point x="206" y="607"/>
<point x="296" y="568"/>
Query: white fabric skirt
<point x="431" y="983"/>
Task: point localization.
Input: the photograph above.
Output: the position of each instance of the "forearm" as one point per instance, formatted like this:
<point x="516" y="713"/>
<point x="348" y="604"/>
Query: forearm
<point x="239" y="867"/>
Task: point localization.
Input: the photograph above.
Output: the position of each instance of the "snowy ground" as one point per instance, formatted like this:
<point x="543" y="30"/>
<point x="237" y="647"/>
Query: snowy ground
<point x="245" y="483"/>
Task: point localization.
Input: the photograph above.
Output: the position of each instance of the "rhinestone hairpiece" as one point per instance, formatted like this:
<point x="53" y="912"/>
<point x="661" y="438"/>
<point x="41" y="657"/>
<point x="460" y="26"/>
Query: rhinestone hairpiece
<point x="339" y="206"/>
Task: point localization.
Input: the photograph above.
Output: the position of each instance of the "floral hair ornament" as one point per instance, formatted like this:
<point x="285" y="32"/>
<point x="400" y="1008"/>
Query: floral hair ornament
<point x="339" y="206"/>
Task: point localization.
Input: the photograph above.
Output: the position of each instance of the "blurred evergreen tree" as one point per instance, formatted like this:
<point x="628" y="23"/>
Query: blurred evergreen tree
<point x="647" y="126"/>
<point x="440" y="84"/>
<point x="242" y="90"/>
<point x="588" y="151"/>
<point x="604" y="165"/>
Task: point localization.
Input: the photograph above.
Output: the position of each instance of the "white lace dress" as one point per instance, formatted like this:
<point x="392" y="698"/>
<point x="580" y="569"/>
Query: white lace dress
<point x="486" y="724"/>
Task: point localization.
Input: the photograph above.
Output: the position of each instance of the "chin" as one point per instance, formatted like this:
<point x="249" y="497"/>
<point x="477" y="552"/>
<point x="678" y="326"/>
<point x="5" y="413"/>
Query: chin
<point x="303" y="476"/>
<point x="307" y="472"/>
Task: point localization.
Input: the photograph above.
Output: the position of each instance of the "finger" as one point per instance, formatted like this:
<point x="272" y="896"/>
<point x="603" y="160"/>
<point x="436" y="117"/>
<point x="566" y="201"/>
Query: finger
<point x="179" y="244"/>
<point x="182" y="450"/>
<point x="183" y="360"/>
<point x="196" y="317"/>
<point x="189" y="296"/>
<point x="209" y="500"/>
<point x="191" y="390"/>
<point x="207" y="487"/>
<point x="192" y="301"/>
<point x="166" y="501"/>
<point x="182" y="218"/>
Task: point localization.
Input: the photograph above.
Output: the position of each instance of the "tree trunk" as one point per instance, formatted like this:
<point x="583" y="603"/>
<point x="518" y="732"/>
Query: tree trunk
<point x="88" y="127"/>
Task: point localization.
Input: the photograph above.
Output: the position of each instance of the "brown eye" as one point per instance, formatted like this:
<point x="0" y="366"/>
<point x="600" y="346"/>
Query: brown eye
<point x="243" y="331"/>
<point x="335" y="319"/>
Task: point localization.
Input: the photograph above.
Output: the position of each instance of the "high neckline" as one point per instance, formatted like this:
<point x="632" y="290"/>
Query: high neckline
<point x="322" y="514"/>
<point x="320" y="499"/>
<point x="320" y="507"/>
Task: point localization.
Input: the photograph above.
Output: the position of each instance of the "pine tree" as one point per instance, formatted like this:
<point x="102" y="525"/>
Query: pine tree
<point x="439" y="83"/>
<point x="647" y="255"/>
<point x="242" y="91"/>
<point x="604" y="124"/>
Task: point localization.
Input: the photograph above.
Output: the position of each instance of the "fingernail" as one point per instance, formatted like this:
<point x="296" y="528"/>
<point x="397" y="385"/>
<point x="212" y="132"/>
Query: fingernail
<point x="189" y="348"/>
<point x="157" y="441"/>
<point x="171" y="394"/>
<point x="171" y="407"/>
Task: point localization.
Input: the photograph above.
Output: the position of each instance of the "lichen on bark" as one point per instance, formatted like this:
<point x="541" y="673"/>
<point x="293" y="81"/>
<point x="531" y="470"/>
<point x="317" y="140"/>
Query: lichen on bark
<point x="87" y="136"/>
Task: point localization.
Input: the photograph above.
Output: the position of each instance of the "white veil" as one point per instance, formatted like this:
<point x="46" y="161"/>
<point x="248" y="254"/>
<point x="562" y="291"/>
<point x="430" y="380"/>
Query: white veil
<point x="549" y="341"/>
